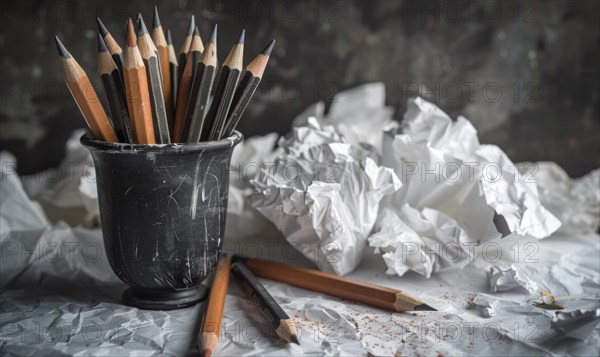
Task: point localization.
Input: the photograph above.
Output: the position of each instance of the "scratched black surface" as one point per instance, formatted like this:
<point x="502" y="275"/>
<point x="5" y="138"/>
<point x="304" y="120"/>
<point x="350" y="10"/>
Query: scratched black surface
<point x="543" y="55"/>
<point x="163" y="210"/>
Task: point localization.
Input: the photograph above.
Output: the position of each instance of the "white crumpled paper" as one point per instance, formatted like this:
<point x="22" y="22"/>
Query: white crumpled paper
<point x="574" y="281"/>
<point x="359" y="114"/>
<point x="243" y="220"/>
<point x="457" y="193"/>
<point x="515" y="198"/>
<point x="323" y="194"/>
<point x="59" y="295"/>
<point x="575" y="202"/>
<point x="474" y="191"/>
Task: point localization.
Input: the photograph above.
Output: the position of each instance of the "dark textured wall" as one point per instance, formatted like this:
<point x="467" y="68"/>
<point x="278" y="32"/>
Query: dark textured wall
<point x="526" y="73"/>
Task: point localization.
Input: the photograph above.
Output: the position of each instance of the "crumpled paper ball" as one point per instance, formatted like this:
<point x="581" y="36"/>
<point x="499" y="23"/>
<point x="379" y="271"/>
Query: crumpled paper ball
<point x="466" y="186"/>
<point x="323" y="194"/>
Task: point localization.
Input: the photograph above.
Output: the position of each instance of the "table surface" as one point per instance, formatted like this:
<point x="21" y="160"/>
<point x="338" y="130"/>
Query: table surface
<point x="76" y="309"/>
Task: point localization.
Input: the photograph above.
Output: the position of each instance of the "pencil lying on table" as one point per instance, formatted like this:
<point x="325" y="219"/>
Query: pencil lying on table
<point x="201" y="88"/>
<point x="228" y="80"/>
<point x="115" y="93"/>
<point x="245" y="90"/>
<point x="153" y="71"/>
<point x="85" y="96"/>
<point x="136" y="87"/>
<point x="338" y="286"/>
<point x="211" y="327"/>
<point x="268" y="307"/>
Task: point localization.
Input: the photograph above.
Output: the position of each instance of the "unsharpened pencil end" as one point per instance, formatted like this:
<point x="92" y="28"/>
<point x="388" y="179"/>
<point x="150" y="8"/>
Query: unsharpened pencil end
<point x="101" y="27"/>
<point x="240" y="40"/>
<point x="101" y="44"/>
<point x="142" y="30"/>
<point x="424" y="307"/>
<point x="206" y="353"/>
<point x="268" y="49"/>
<point x="156" y="19"/>
<point x="294" y="339"/>
<point x="190" y="30"/>
<point x="213" y="35"/>
<point x="169" y="38"/>
<point x="131" y="41"/>
<point x="62" y="51"/>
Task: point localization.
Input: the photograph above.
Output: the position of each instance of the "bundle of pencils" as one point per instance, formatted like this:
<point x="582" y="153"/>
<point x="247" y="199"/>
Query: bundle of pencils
<point x="153" y="96"/>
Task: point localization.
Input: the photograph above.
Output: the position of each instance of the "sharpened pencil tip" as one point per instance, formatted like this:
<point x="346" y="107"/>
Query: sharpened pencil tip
<point x="213" y="35"/>
<point x="240" y="40"/>
<point x="156" y="19"/>
<point x="169" y="38"/>
<point x="294" y="339"/>
<point x="101" y="27"/>
<point x="142" y="30"/>
<point x="62" y="51"/>
<point x="424" y="307"/>
<point x="268" y="49"/>
<point x="190" y="30"/>
<point x="196" y="31"/>
<point x="101" y="44"/>
<point x="206" y="353"/>
<point x="131" y="42"/>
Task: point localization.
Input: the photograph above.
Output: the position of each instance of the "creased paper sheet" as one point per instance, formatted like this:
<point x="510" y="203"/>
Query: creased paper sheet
<point x="69" y="304"/>
<point x="451" y="150"/>
<point x="359" y="114"/>
<point x="323" y="194"/>
<point x="575" y="202"/>
<point x="59" y="295"/>
<point x="243" y="220"/>
<point x="475" y="192"/>
<point x="574" y="281"/>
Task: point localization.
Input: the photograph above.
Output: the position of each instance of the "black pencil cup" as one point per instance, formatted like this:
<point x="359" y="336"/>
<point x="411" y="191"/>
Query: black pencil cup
<point x="163" y="211"/>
